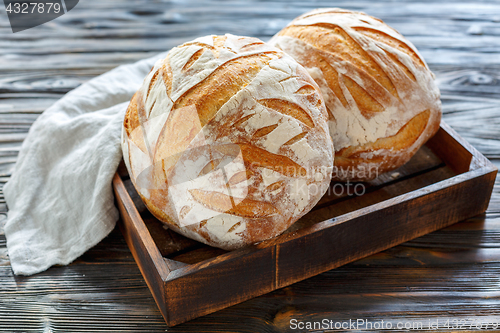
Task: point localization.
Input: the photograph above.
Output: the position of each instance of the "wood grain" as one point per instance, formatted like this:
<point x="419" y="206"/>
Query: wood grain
<point x="452" y="273"/>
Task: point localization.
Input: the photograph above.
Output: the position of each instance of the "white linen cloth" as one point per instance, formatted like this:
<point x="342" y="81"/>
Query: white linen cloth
<point x="60" y="197"/>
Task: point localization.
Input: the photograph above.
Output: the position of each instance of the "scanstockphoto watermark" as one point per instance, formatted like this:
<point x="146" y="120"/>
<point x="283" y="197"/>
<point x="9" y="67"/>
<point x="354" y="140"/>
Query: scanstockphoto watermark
<point x="26" y="14"/>
<point x="346" y="188"/>
<point x="362" y="171"/>
<point x="205" y="178"/>
<point x="475" y="323"/>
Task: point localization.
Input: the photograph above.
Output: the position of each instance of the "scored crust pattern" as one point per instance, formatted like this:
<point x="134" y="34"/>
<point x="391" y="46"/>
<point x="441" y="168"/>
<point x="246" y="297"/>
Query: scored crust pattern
<point x="382" y="101"/>
<point x="227" y="141"/>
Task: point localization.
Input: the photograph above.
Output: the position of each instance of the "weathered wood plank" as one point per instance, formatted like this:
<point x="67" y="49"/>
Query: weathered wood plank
<point x="451" y="273"/>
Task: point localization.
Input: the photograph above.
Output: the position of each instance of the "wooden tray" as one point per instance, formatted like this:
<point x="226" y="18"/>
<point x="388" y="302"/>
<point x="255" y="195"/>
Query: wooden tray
<point x="445" y="182"/>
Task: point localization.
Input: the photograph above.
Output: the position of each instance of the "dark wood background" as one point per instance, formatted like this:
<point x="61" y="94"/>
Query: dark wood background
<point x="451" y="274"/>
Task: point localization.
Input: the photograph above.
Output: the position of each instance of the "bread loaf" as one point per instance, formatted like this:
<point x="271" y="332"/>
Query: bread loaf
<point x="227" y="141"/>
<point x="382" y="101"/>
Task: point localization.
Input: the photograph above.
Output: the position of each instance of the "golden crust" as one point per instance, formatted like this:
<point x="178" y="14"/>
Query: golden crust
<point x="381" y="98"/>
<point x="204" y="126"/>
<point x="131" y="121"/>
<point x="400" y="146"/>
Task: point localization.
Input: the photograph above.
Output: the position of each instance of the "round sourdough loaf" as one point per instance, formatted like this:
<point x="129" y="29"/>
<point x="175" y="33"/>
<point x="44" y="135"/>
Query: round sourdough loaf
<point x="227" y="141"/>
<point x="382" y="101"/>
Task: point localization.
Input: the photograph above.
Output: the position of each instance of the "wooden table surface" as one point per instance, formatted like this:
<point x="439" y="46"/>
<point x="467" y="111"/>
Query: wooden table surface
<point x="451" y="274"/>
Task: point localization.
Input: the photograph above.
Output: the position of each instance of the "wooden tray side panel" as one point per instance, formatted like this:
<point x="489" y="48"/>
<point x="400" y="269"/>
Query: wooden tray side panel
<point x="140" y="243"/>
<point x="334" y="246"/>
<point x="452" y="149"/>
<point x="234" y="277"/>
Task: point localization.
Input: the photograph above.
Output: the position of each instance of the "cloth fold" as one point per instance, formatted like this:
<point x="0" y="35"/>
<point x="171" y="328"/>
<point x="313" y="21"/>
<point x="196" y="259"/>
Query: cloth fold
<point x="59" y="196"/>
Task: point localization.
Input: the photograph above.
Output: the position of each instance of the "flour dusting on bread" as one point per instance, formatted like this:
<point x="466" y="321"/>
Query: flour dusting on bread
<point x="373" y="80"/>
<point x="227" y="141"/>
